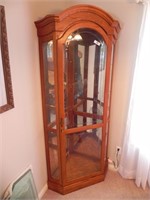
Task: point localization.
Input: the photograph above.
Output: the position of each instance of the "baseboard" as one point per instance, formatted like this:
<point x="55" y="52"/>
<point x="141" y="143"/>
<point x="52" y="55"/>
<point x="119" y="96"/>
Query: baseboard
<point x="111" y="165"/>
<point x="42" y="192"/>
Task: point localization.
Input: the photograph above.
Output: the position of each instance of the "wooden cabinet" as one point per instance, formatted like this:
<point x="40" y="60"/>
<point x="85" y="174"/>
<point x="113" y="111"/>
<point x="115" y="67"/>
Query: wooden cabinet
<point x="76" y="57"/>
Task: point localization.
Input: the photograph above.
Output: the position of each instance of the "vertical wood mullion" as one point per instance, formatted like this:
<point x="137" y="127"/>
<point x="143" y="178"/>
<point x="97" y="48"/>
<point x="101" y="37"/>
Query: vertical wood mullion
<point x="71" y="92"/>
<point x="96" y="79"/>
<point x="86" y="60"/>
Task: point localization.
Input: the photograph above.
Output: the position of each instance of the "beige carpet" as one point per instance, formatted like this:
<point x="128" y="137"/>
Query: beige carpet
<point x="113" y="188"/>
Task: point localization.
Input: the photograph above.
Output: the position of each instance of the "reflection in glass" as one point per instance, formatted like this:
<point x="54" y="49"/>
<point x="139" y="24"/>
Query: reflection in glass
<point x="53" y="153"/>
<point x="109" y="90"/>
<point x="51" y="109"/>
<point x="49" y="83"/>
<point x="84" y="75"/>
<point x="83" y="153"/>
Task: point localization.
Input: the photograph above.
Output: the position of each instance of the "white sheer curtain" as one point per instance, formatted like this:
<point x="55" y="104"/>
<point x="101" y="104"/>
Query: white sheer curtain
<point x="135" y="160"/>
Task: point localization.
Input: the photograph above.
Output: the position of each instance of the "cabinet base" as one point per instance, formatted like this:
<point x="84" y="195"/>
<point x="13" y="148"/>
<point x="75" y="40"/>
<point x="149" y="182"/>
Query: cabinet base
<point x="77" y="185"/>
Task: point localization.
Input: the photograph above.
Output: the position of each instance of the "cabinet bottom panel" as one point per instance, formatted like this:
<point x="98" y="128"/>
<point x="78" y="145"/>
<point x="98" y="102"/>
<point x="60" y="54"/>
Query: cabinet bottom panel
<point x="76" y="185"/>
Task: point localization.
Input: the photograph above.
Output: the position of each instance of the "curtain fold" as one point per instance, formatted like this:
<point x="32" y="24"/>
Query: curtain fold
<point x="135" y="159"/>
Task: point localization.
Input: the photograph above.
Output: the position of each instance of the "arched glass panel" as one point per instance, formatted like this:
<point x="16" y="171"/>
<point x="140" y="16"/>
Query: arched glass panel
<point x="84" y="78"/>
<point x="84" y="82"/>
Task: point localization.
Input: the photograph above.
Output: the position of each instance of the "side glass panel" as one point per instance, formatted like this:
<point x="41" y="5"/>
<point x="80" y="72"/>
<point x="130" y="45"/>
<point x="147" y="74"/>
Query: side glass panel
<point x="83" y="152"/>
<point x="50" y="107"/>
<point x="49" y="83"/>
<point x="109" y="91"/>
<point x="53" y="155"/>
<point x="84" y="75"/>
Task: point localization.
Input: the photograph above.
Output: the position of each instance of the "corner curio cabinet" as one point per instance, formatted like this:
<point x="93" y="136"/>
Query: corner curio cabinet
<point x="76" y="58"/>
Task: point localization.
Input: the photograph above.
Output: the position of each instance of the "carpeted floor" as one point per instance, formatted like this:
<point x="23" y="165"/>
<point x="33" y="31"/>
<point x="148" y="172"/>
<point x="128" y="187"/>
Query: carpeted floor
<point x="113" y="188"/>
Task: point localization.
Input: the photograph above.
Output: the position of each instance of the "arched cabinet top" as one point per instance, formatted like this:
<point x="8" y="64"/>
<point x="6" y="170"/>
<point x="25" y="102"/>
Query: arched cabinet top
<point x="78" y="15"/>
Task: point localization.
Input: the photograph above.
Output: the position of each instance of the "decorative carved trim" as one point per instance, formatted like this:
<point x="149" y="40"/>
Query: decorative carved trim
<point x="6" y="64"/>
<point x="73" y="15"/>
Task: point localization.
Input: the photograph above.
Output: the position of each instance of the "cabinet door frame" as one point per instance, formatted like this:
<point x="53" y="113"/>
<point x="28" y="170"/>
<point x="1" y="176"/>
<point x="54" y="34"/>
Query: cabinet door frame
<point x="63" y="132"/>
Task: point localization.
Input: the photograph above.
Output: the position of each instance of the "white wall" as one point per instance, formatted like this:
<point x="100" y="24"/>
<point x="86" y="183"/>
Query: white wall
<point x="21" y="130"/>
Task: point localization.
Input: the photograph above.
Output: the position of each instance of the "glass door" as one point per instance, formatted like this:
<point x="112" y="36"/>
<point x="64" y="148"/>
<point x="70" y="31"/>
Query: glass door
<point x="84" y="83"/>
